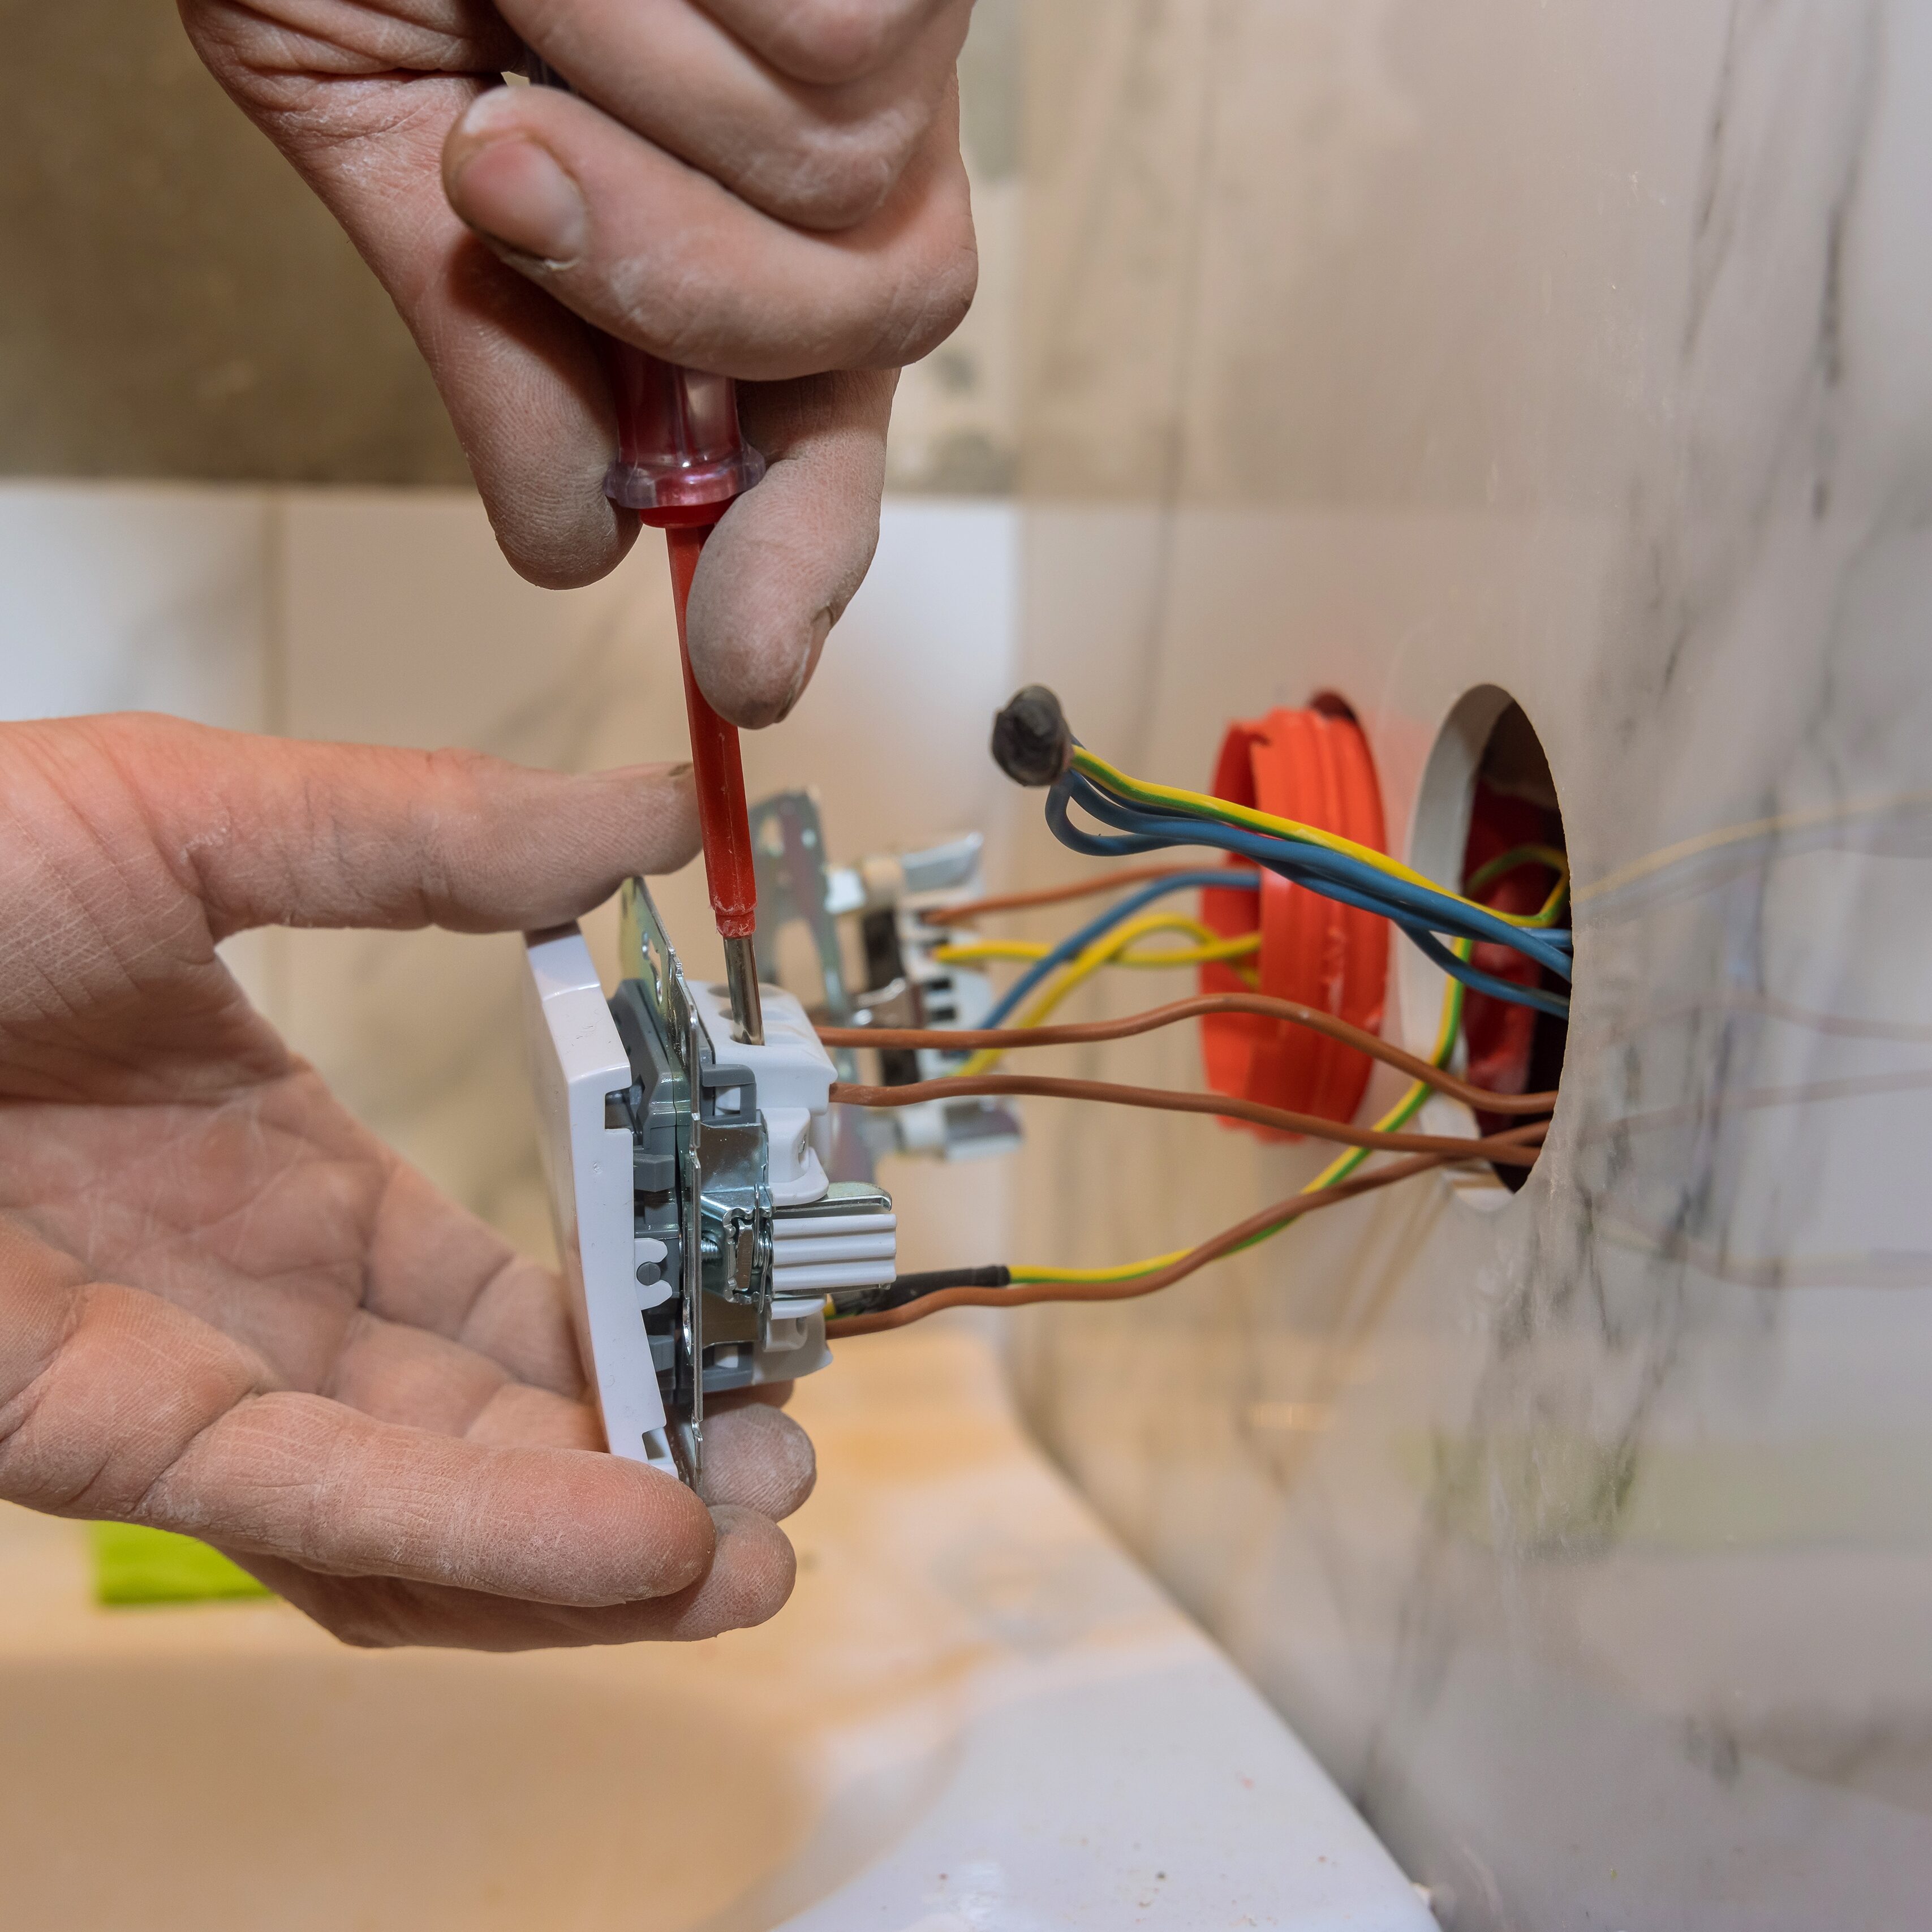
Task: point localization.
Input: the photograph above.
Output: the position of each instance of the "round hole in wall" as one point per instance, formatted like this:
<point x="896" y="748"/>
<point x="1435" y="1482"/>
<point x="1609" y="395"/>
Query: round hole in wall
<point x="1486" y="811"/>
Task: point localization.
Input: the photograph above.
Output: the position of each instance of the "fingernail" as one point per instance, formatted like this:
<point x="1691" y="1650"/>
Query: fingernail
<point x="513" y="189"/>
<point x="821" y="629"/>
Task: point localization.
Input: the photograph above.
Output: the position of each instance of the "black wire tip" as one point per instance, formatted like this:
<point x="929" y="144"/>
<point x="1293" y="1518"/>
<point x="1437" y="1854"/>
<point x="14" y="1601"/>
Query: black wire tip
<point x="910" y="1287"/>
<point x="1032" y="742"/>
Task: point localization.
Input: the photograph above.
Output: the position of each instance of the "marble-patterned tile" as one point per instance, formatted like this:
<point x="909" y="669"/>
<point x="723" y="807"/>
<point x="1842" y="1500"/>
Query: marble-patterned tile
<point x="1395" y="350"/>
<point x="894" y="727"/>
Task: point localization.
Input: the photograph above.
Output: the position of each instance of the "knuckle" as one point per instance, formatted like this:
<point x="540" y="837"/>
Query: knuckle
<point x="457" y="776"/>
<point x="832" y="41"/>
<point x="827" y="205"/>
<point x="834" y="180"/>
<point x="457" y="779"/>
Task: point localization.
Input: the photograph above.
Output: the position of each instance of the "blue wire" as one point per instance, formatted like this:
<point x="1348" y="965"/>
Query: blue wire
<point x="1334" y="875"/>
<point x="1226" y="880"/>
<point x="1440" y="910"/>
<point x="1229" y="879"/>
<point x="1163" y="834"/>
<point x="1477" y="981"/>
<point x="1097" y="847"/>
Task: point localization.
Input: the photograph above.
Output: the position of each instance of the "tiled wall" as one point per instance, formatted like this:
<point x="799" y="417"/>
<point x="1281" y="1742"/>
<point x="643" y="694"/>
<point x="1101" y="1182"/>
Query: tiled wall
<point x="1392" y="347"/>
<point x="389" y="617"/>
<point x="956" y="421"/>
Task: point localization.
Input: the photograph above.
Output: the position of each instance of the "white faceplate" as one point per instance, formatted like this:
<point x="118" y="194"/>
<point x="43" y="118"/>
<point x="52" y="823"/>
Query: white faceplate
<point x="576" y="1059"/>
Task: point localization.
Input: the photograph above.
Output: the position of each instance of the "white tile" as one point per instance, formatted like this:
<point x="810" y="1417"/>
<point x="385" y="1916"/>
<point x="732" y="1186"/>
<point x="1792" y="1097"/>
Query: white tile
<point x="893" y="730"/>
<point x="405" y="626"/>
<point x="1403" y="350"/>
<point x="122" y="597"/>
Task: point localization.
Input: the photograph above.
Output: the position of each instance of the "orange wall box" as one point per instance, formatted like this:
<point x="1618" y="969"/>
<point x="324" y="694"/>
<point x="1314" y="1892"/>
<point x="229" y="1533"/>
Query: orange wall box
<point x="1313" y="765"/>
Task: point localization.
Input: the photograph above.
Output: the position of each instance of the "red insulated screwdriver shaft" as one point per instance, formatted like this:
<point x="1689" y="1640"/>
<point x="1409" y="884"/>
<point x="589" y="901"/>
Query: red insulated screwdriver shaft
<point x="720" y="771"/>
<point x="722" y="817"/>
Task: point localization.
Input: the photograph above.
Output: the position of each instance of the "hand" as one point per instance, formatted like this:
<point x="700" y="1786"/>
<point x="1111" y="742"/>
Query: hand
<point x="770" y="189"/>
<point x="225" y="1307"/>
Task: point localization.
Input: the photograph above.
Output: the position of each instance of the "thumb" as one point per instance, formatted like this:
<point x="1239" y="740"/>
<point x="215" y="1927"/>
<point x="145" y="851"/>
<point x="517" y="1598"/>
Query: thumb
<point x="779" y="570"/>
<point x="274" y="832"/>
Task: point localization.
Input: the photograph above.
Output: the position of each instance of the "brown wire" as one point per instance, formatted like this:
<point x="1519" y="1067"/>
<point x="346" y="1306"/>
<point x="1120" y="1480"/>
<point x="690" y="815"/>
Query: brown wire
<point x="1166" y="1099"/>
<point x="1026" y="1294"/>
<point x="1085" y="889"/>
<point x="1092" y="1032"/>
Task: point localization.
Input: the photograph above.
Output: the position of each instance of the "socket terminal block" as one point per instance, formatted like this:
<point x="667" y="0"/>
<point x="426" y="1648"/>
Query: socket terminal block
<point x="825" y="928"/>
<point x="699" y="1231"/>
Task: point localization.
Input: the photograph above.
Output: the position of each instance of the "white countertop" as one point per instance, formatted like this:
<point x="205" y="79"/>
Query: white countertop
<point x="975" y="1714"/>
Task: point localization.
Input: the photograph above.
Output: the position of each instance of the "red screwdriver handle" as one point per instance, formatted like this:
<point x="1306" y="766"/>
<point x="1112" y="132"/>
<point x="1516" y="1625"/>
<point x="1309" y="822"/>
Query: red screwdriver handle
<point x="681" y="456"/>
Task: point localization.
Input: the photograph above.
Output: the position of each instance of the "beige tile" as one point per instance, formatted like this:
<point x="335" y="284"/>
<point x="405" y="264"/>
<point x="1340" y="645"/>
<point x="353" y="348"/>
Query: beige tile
<point x="177" y="303"/>
<point x="405" y="626"/>
<point x="955" y="422"/>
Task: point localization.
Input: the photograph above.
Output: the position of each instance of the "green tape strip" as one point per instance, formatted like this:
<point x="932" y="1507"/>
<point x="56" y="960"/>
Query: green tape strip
<point x="135" y="1565"/>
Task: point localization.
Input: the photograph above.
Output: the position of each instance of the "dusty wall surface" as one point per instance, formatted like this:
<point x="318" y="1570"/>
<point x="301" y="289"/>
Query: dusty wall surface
<point x="176" y="303"/>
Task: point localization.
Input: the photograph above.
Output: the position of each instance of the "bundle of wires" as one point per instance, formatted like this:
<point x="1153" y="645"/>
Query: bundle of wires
<point x="1034" y="745"/>
<point x="1145" y="817"/>
<point x="1155" y="818"/>
<point x="911" y="1297"/>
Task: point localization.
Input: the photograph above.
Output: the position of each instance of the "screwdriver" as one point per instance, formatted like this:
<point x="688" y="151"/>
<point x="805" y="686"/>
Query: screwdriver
<point x="682" y="460"/>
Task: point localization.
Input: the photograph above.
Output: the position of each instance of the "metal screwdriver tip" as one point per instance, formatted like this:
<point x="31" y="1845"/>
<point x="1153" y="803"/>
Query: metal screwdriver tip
<point x="741" y="979"/>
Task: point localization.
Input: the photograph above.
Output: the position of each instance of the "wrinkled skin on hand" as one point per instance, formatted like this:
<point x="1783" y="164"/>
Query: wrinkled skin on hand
<point x="770" y="189"/>
<point x="227" y="1308"/>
